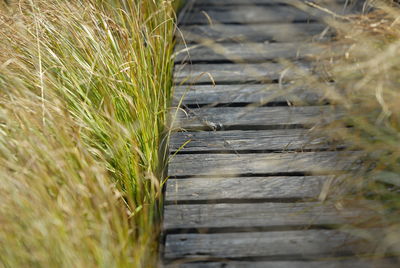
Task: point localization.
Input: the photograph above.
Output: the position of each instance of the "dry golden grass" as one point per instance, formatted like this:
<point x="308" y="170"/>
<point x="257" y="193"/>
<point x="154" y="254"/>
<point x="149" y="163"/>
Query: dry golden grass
<point x="85" y="88"/>
<point x="366" y="86"/>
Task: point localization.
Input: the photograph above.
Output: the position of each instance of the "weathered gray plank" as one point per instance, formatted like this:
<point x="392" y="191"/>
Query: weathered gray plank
<point x="248" y="52"/>
<point x="265" y="163"/>
<point x="331" y="263"/>
<point x="248" y="117"/>
<point x="251" y="140"/>
<point x="247" y="14"/>
<point x="304" y="243"/>
<point x="256" y="215"/>
<point x="213" y="3"/>
<point x="237" y="73"/>
<point x="247" y="188"/>
<point x="252" y="32"/>
<point x="260" y="94"/>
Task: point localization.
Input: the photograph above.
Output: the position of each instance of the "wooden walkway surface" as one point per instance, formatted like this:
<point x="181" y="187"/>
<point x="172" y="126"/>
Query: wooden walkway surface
<point x="245" y="176"/>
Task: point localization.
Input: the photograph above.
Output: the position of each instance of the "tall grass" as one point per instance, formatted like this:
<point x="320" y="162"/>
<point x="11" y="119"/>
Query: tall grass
<point x="85" y="87"/>
<point x="366" y="87"/>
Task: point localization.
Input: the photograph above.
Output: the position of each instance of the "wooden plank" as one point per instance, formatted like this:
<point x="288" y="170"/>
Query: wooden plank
<point x="247" y="14"/>
<point x="248" y="52"/>
<point x="236" y="73"/>
<point x="254" y="32"/>
<point x="260" y="94"/>
<point x="331" y="263"/>
<point x="244" y="188"/>
<point x="282" y="244"/>
<point x="256" y="215"/>
<point x="214" y="3"/>
<point x="254" y="117"/>
<point x="251" y="140"/>
<point x="186" y="165"/>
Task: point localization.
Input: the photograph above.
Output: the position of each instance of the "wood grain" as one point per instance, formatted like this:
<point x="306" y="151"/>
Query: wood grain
<point x="264" y="163"/>
<point x="237" y="73"/>
<point x="248" y="52"/>
<point x="255" y="215"/>
<point x="331" y="263"/>
<point x="247" y="14"/>
<point x="251" y="140"/>
<point x="224" y="3"/>
<point x="282" y="244"/>
<point x="253" y="117"/>
<point x="244" y="188"/>
<point x="257" y="94"/>
<point x="245" y="195"/>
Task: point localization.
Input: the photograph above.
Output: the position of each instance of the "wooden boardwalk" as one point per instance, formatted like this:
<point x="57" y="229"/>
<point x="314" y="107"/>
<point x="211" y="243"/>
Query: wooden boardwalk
<point x="245" y="176"/>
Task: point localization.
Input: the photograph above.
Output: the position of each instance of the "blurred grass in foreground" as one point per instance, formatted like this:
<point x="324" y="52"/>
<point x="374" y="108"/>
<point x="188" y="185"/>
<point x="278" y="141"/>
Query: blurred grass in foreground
<point x="85" y="87"/>
<point x="367" y="87"/>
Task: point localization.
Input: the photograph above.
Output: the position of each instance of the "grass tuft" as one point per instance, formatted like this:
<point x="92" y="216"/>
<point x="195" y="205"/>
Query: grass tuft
<point x="85" y="88"/>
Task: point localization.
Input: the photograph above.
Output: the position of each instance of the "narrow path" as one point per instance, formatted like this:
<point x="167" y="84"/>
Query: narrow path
<point x="245" y="180"/>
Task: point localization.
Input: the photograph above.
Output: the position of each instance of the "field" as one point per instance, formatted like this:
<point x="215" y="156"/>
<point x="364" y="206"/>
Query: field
<point x="85" y="91"/>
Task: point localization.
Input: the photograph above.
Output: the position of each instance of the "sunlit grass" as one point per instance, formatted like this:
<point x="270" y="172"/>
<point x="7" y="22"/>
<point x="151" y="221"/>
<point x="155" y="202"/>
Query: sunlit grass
<point x="85" y="87"/>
